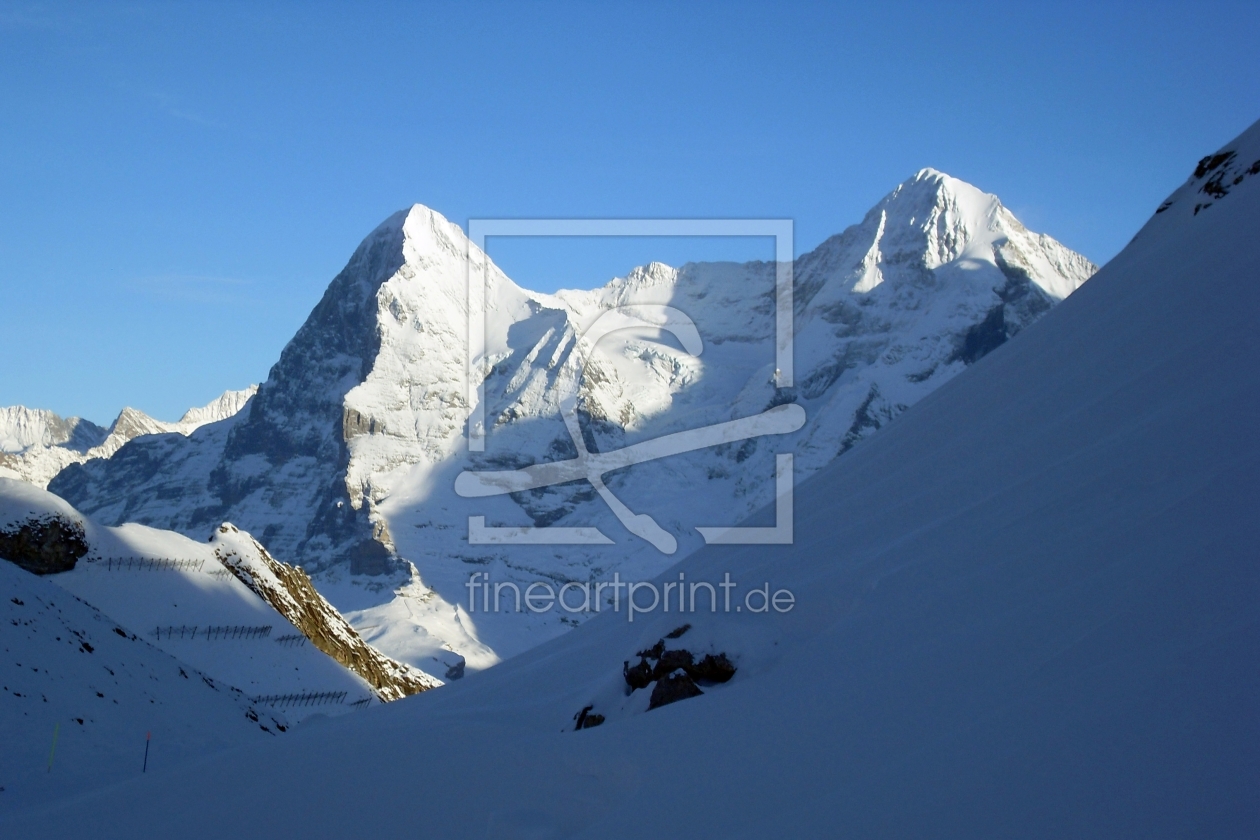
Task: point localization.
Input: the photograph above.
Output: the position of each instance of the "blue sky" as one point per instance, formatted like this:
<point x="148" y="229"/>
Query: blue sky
<point x="181" y="181"/>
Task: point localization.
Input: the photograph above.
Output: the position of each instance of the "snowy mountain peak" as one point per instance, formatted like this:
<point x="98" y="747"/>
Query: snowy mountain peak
<point x="22" y="428"/>
<point x="426" y="231"/>
<point x="931" y="222"/>
<point x="350" y="449"/>
<point x="942" y="188"/>
<point x="936" y="218"/>
<point x="929" y="188"/>
<point x="132" y="422"/>
<point x="224" y="406"/>
<point x="653" y="272"/>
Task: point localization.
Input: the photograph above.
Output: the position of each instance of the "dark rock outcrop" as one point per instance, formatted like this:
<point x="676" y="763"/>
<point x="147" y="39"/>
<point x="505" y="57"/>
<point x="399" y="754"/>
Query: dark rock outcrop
<point x="586" y="720"/>
<point x="672" y="688"/>
<point x="713" y="668"/>
<point x="44" y="545"/>
<point x="677" y="632"/>
<point x="675" y="672"/>
<point x="456" y="671"/>
<point x="637" y="676"/>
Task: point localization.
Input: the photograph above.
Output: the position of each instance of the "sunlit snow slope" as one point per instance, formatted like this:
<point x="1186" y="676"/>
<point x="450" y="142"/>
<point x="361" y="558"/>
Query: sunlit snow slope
<point x="1026" y="610"/>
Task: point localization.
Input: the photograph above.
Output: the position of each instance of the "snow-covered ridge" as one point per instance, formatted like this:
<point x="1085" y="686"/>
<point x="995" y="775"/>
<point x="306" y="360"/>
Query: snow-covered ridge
<point x="36" y="444"/>
<point x="1215" y="177"/>
<point x="22" y="428"/>
<point x="226" y="405"/>
<point x="348" y="453"/>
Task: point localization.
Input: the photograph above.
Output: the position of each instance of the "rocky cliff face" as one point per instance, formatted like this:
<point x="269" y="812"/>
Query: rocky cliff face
<point x="278" y="467"/>
<point x="289" y="590"/>
<point x="348" y="453"/>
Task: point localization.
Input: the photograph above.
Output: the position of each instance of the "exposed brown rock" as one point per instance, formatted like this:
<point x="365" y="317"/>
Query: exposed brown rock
<point x="290" y="591"/>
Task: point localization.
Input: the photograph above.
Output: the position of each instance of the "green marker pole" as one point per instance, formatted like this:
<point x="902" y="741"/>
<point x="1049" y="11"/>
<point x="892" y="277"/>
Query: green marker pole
<point x="145" y="768"/>
<point x="53" y="751"/>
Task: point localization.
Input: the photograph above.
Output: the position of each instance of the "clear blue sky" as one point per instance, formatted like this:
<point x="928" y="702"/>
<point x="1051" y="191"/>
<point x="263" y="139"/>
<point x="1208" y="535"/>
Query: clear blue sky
<point x="181" y="181"/>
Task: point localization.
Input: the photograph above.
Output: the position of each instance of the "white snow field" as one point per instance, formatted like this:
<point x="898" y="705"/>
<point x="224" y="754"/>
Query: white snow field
<point x="1027" y="609"/>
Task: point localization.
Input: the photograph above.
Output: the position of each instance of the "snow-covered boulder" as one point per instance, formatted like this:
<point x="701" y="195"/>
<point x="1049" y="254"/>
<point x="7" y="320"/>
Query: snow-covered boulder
<point x="39" y="531"/>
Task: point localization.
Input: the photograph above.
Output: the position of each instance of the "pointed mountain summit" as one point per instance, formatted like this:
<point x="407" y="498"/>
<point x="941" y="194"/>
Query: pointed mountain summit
<point x="282" y="467"/>
<point x="221" y="407"/>
<point x="349" y="451"/>
<point x="932" y="220"/>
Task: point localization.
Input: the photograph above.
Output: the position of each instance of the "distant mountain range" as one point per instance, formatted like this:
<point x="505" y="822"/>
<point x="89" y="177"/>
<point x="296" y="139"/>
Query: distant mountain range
<point x="36" y="444"/>
<point x="345" y="458"/>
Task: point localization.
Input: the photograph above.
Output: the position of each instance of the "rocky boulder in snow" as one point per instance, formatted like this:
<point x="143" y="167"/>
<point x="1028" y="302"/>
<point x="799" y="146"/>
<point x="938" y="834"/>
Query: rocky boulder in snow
<point x="676" y="672"/>
<point x="44" y="546"/>
<point x="39" y="537"/>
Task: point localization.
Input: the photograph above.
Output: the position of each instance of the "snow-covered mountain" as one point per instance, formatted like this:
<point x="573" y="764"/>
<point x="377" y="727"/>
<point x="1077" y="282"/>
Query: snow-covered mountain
<point x="1027" y="609"/>
<point x="221" y="407"/>
<point x="351" y="448"/>
<point x="36" y="444"/>
<point x="22" y="428"/>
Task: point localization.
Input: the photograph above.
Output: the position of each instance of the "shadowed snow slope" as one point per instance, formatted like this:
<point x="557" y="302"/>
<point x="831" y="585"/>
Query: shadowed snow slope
<point x="1026" y="610"/>
<point x="69" y="671"/>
